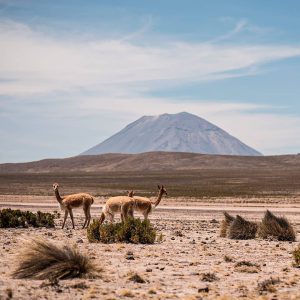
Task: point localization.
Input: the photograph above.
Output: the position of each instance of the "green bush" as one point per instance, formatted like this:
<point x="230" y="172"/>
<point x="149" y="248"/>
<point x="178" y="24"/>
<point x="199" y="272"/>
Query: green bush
<point x="131" y="231"/>
<point x="10" y="218"/>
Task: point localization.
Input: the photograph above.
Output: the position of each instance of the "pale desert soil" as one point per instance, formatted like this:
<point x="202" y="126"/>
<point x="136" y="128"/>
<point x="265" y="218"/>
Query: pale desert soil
<point x="172" y="269"/>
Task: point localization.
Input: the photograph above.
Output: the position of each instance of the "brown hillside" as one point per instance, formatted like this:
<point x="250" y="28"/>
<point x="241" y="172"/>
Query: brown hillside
<point x="152" y="161"/>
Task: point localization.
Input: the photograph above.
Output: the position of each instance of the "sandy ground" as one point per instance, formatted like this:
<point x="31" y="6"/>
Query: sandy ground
<point x="172" y="269"/>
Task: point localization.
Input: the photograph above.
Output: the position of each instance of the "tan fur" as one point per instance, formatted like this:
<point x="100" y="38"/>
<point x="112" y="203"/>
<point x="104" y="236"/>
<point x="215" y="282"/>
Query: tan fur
<point x="118" y="204"/>
<point x="69" y="202"/>
<point x="145" y="206"/>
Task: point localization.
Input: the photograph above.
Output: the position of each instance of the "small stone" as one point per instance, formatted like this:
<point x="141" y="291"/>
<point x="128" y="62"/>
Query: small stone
<point x="203" y="289"/>
<point x="148" y="270"/>
<point x="79" y="241"/>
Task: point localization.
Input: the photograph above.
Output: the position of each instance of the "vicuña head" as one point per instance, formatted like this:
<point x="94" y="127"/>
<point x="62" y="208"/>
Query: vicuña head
<point x="130" y="193"/>
<point x="55" y="186"/>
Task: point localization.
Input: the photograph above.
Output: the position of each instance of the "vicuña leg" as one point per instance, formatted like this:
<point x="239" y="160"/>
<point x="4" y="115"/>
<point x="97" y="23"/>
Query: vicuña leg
<point x="89" y="216"/>
<point x="72" y="218"/>
<point x="65" y="218"/>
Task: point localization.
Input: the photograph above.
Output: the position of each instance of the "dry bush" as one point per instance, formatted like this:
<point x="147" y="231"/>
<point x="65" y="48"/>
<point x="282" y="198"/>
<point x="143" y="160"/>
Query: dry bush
<point x="268" y="285"/>
<point x="277" y="228"/>
<point x="209" y="277"/>
<point x="247" y="267"/>
<point x="225" y="224"/>
<point x="131" y="231"/>
<point x="296" y="255"/>
<point x="41" y="259"/>
<point x="241" y="229"/>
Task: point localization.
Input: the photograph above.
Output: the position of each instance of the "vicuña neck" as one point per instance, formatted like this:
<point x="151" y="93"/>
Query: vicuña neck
<point x="57" y="195"/>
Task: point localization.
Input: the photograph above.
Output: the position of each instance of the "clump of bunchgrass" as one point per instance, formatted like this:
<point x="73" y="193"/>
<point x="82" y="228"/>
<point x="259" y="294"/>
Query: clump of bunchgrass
<point x="225" y="224"/>
<point x="42" y="259"/>
<point x="131" y="231"/>
<point x="10" y="218"/>
<point x="273" y="227"/>
<point x="241" y="229"/>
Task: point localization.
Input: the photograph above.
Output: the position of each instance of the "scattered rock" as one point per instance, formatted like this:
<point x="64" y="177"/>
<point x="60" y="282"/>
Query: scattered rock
<point x="203" y="289"/>
<point x="136" y="278"/>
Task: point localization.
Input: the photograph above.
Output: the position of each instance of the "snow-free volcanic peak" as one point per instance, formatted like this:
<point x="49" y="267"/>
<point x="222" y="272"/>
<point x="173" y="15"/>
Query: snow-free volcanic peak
<point x="181" y="132"/>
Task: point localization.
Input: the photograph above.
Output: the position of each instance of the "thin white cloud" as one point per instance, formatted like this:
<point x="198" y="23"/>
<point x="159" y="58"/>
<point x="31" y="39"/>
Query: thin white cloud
<point x="33" y="63"/>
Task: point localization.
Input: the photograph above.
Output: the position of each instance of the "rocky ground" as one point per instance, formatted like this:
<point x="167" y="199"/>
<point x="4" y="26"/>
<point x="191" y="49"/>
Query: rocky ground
<point x="191" y="261"/>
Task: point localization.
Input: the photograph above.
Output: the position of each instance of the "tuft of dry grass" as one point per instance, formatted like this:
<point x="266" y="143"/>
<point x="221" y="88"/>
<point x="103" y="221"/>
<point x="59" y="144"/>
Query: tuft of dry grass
<point x="278" y="228"/>
<point x="42" y="259"/>
<point x="268" y="285"/>
<point x="246" y="267"/>
<point x="241" y="229"/>
<point x="209" y="277"/>
<point x="225" y="224"/>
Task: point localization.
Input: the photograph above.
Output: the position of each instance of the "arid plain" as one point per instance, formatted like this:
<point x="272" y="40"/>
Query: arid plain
<point x="190" y="261"/>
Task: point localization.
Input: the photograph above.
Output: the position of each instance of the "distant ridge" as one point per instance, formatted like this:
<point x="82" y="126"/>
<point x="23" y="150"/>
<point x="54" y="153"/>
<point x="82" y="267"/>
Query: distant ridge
<point x="153" y="161"/>
<point x="182" y="132"/>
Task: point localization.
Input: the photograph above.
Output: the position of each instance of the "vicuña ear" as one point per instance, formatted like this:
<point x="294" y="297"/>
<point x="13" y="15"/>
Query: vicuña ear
<point x="158" y="187"/>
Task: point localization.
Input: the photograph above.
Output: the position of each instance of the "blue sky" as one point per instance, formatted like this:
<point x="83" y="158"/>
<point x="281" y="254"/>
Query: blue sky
<point x="74" y="72"/>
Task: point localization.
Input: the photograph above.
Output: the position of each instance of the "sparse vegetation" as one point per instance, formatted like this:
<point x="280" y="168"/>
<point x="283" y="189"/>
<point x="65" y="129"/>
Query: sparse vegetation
<point x="131" y="231"/>
<point x="268" y="285"/>
<point x="247" y="267"/>
<point x="10" y="218"/>
<point x="225" y="224"/>
<point x="41" y="259"/>
<point x="136" y="278"/>
<point x="296" y="255"/>
<point x="278" y="228"/>
<point x="241" y="229"/>
<point x="228" y="258"/>
<point x="209" y="277"/>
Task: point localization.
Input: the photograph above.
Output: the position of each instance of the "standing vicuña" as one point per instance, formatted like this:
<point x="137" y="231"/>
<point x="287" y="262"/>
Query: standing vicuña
<point x="118" y="204"/>
<point x="69" y="202"/>
<point x="144" y="205"/>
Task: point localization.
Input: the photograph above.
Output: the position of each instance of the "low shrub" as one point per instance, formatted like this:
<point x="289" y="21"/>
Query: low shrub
<point x="41" y="259"/>
<point x="241" y="229"/>
<point x="278" y="228"/>
<point x="131" y="231"/>
<point x="225" y="224"/>
<point x="10" y="218"/>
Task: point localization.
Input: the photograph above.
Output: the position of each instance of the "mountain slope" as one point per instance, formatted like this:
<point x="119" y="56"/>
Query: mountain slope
<point x="182" y="132"/>
<point x="154" y="161"/>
